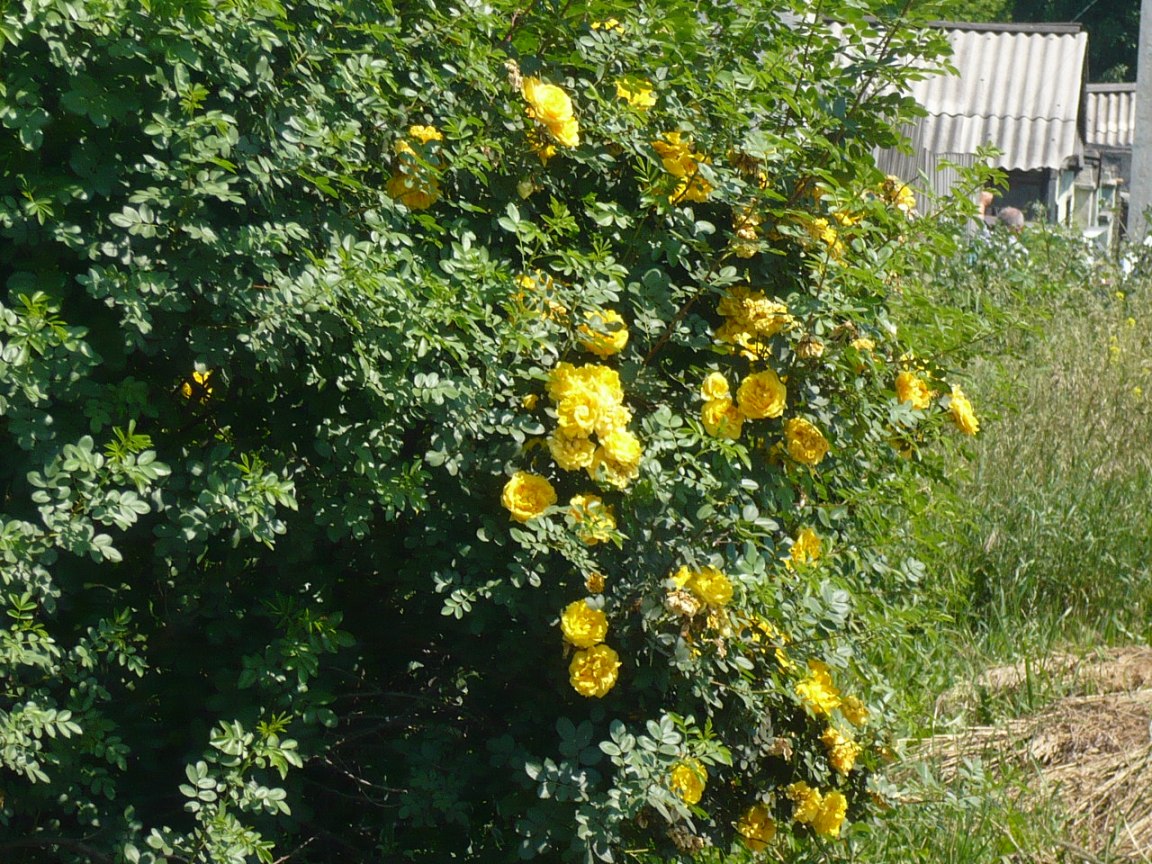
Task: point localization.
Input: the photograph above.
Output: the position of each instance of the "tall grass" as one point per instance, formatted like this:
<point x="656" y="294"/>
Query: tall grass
<point x="1038" y="536"/>
<point x="1049" y="526"/>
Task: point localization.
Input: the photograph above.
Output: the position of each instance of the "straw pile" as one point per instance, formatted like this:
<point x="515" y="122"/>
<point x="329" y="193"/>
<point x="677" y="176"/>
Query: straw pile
<point x="1093" y="751"/>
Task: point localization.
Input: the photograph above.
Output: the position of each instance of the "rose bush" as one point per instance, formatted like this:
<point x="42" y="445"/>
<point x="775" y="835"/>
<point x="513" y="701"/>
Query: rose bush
<point x="315" y="314"/>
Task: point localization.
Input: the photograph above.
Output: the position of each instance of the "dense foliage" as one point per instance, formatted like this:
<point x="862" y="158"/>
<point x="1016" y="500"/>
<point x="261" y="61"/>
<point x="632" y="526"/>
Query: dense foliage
<point x="448" y="428"/>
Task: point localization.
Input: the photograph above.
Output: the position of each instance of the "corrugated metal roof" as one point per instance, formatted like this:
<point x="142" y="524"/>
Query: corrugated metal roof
<point x="1110" y="115"/>
<point x="1018" y="89"/>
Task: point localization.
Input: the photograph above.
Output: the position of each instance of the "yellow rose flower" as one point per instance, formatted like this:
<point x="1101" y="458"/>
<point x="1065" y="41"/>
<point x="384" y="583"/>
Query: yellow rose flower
<point x="842" y="750"/>
<point x="605" y="333"/>
<point x="612" y="419"/>
<point x="582" y="625"/>
<point x="715" y="386"/>
<point x="424" y="134"/>
<point x="962" y="414"/>
<point x="695" y="189"/>
<point x="687" y="780"/>
<point x="830" y="816"/>
<point x="822" y="231"/>
<point x="854" y="711"/>
<point x="678" y="159"/>
<point x="722" y="419"/>
<point x="623" y="447"/>
<point x="762" y="395"/>
<point x="199" y="385"/>
<point x="593" y="672"/>
<point x="675" y="154"/>
<point x="567" y="134"/>
<point x="806" y="801"/>
<point x="571" y="452"/>
<point x="805" y="443"/>
<point x="817" y="691"/>
<point x="896" y="192"/>
<point x="711" y="586"/>
<point x="551" y="106"/>
<point x="751" y="319"/>
<point x="415" y="191"/>
<point x="913" y="389"/>
<point x="547" y="103"/>
<point x="638" y="94"/>
<point x="805" y="549"/>
<point x="595" y="521"/>
<point x="578" y="411"/>
<point x="756" y="827"/>
<point x="526" y="496"/>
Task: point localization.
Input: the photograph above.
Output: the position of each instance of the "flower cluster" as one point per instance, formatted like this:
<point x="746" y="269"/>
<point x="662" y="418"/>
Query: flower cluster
<point x="590" y="401"/>
<point x="823" y="812"/>
<point x="760" y="395"/>
<point x="751" y="319"/>
<point x="679" y="160"/>
<point x="551" y="107"/>
<point x="916" y="392"/>
<point x="413" y="182"/>
<point x="817" y="691"/>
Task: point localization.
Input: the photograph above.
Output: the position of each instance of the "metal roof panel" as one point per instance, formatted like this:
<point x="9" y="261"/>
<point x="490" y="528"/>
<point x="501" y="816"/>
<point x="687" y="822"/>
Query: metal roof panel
<point x="1018" y="89"/>
<point x="1110" y="115"/>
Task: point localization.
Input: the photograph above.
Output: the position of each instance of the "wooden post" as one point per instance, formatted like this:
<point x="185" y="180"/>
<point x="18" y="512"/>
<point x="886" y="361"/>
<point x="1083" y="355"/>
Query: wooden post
<point x="1141" y="195"/>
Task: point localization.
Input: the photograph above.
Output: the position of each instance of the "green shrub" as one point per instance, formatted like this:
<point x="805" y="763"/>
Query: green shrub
<point x="299" y="293"/>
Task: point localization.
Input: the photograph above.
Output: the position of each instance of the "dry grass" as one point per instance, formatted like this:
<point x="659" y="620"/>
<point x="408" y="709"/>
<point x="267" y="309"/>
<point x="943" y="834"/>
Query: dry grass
<point x="1093" y="752"/>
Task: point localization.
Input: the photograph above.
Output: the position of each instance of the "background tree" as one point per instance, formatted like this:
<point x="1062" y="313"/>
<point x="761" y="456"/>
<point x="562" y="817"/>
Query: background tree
<point x="1112" y="26"/>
